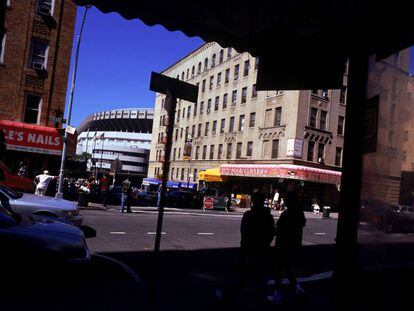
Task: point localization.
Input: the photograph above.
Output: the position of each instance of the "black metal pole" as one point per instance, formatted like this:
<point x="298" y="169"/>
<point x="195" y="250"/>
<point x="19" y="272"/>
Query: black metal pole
<point x="171" y="103"/>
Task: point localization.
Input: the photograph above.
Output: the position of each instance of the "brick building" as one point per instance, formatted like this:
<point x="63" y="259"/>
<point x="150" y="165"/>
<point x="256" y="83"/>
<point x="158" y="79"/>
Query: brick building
<point x="36" y="45"/>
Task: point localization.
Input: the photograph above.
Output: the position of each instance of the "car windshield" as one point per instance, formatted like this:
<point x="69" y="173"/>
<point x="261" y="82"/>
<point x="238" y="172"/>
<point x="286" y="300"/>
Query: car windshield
<point x="10" y="192"/>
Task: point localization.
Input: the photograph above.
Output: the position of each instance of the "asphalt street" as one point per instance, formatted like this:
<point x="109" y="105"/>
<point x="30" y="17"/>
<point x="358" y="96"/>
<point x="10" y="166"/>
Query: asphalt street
<point x="183" y="230"/>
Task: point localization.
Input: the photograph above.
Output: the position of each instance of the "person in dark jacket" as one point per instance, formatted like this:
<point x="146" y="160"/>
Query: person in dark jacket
<point x="289" y="231"/>
<point x="257" y="232"/>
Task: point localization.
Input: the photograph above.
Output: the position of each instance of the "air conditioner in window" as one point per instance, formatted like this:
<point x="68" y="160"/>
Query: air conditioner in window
<point x="321" y="160"/>
<point x="38" y="66"/>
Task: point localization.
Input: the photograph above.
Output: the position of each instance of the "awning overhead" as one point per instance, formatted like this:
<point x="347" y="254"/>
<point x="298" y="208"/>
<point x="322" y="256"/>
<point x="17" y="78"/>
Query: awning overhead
<point x="302" y="44"/>
<point x="211" y="175"/>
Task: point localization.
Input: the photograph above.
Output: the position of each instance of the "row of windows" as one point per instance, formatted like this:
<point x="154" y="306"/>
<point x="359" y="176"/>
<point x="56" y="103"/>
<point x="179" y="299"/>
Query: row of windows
<point x="186" y="75"/>
<point x="177" y="173"/>
<point x="322" y="124"/>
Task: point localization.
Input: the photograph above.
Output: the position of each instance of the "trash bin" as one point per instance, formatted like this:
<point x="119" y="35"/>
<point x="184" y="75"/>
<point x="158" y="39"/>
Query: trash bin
<point x="325" y="211"/>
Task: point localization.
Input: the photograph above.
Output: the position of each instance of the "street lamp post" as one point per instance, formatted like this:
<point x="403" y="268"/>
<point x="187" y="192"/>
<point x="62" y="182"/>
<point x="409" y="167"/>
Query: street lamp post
<point x="59" y="193"/>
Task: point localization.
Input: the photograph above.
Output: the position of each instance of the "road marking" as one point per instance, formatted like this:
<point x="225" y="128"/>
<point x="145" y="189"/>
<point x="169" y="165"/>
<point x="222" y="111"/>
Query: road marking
<point x="117" y="232"/>
<point x="205" y="233"/>
<point x="154" y="233"/>
<point x="127" y="268"/>
<point x="320" y="233"/>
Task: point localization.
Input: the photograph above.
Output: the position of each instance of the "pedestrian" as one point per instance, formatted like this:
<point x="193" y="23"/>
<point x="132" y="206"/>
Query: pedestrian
<point x="42" y="182"/>
<point x="257" y="232"/>
<point x="282" y="205"/>
<point x="22" y="170"/>
<point x="289" y="232"/>
<point x="275" y="202"/>
<point x="316" y="208"/>
<point x="104" y="190"/>
<point x="126" y="196"/>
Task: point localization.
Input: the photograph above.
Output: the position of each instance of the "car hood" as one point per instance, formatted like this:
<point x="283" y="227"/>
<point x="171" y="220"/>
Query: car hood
<point x="38" y="225"/>
<point x="45" y="201"/>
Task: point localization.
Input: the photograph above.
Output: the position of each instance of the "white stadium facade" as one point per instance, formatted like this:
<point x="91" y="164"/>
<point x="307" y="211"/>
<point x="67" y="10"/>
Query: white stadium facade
<point x="123" y="134"/>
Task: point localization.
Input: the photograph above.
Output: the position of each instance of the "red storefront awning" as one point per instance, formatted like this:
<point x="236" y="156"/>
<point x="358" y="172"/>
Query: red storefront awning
<point x="297" y="172"/>
<point x="32" y="138"/>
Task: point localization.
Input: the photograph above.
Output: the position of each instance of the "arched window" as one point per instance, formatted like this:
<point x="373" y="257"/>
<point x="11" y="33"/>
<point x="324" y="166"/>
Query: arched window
<point x="221" y="58"/>
<point x="228" y="53"/>
<point x="193" y="71"/>
<point x="178" y="77"/>
<point x="206" y="64"/>
<point x="213" y="61"/>
<point x="182" y="76"/>
<point x="188" y="73"/>
<point x="199" y="68"/>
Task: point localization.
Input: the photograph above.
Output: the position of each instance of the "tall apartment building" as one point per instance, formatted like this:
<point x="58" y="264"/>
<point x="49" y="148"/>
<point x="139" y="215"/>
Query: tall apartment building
<point x="233" y="126"/>
<point x="35" y="53"/>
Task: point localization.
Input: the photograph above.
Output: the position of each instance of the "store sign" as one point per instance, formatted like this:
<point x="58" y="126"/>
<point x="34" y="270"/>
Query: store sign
<point x="282" y="171"/>
<point x="294" y="148"/>
<point x="32" y="138"/>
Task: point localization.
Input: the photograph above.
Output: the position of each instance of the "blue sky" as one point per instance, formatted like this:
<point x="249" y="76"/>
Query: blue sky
<point x="116" y="59"/>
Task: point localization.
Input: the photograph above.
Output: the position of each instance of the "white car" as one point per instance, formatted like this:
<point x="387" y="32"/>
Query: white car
<point x="26" y="203"/>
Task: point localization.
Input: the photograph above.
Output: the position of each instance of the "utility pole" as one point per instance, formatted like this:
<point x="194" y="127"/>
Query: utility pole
<point x="59" y="193"/>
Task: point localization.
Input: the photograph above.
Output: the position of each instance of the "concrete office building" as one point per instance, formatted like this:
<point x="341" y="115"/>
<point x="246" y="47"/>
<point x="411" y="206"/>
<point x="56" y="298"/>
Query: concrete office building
<point x="123" y="134"/>
<point x="239" y="129"/>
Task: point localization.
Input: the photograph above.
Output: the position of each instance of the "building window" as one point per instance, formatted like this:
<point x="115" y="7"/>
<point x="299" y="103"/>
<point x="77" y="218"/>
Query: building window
<point x="265" y="149"/>
<point x="195" y="109"/>
<point x="186" y="133"/>
<point x="209" y="105"/>
<point x="268" y="118"/>
<point x="219" y="151"/>
<point x="197" y="153"/>
<point x="178" y="115"/>
<point x="227" y="76"/>
<point x="216" y="103"/>
<point x="321" y="153"/>
<point x="199" y="68"/>
<point x="229" y="50"/>
<point x="340" y="130"/>
<point x="45" y="7"/>
<point x="203" y="86"/>
<point x="175" y="150"/>
<point x="176" y="134"/>
<point x="206" y="129"/>
<point x="204" y="152"/>
<point x="195" y="175"/>
<point x="3" y="48"/>
<point x="205" y="64"/>
<point x="246" y="68"/>
<point x="231" y="126"/>
<point x="239" y="150"/>
<point x="192" y="131"/>
<point x="182" y="76"/>
<point x="221" y="57"/>
<point x="256" y="63"/>
<point x="213" y="61"/>
<point x="234" y="98"/>
<point x="188" y="73"/>
<point x="183" y="112"/>
<point x="311" y="151"/>
<point x="182" y="174"/>
<point x="249" y="151"/>
<point x="192" y="71"/>
<point x="338" y="156"/>
<point x="32" y="109"/>
<point x="201" y="108"/>
<point x="254" y="91"/>
<point x="275" y="148"/>
<point x="225" y="101"/>
<point x="210" y="87"/>
<point x="278" y="116"/>
<point x="325" y="93"/>
<point x="252" y="120"/>
<point x="244" y="95"/>
<point x="322" y="123"/>
<point x="236" y="72"/>
<point x="172" y="173"/>
<point x="211" y="152"/>
<point x="178" y="172"/>
<point x="342" y="96"/>
<point x="315" y="92"/>
<point x="38" y="55"/>
<point x="228" y="155"/>
<point x="312" y="118"/>
<point x="214" y="129"/>
<point x="404" y="155"/>
<point x="222" y="125"/>
<point x="199" y="130"/>
<point x="241" y="122"/>
<point x="218" y="79"/>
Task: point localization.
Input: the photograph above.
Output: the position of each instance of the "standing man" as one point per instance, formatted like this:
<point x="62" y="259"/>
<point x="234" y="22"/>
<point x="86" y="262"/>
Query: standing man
<point x="126" y="195"/>
<point x="104" y="189"/>
<point x="43" y="181"/>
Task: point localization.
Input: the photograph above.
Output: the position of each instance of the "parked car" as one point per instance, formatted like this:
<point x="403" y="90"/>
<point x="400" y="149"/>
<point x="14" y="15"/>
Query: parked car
<point x="15" y="182"/>
<point x="26" y="203"/>
<point x="31" y="243"/>
<point x="146" y="197"/>
<point x="183" y="199"/>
